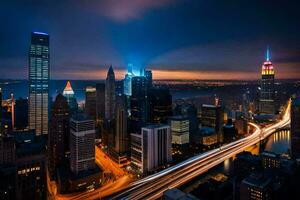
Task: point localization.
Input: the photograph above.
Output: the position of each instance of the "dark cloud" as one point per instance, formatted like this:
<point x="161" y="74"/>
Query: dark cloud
<point x="164" y="35"/>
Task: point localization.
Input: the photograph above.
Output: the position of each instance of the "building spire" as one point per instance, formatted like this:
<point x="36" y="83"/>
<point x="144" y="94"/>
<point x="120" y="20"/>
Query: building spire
<point x="268" y="54"/>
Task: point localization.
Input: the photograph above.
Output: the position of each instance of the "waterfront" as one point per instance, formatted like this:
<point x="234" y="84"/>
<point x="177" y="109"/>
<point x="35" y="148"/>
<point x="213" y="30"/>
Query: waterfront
<point x="278" y="143"/>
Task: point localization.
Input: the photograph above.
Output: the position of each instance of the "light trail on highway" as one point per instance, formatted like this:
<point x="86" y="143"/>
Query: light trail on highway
<point x="153" y="186"/>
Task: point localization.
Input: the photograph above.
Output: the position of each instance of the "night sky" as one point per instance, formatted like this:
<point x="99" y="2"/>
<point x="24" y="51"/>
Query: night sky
<point x="177" y="39"/>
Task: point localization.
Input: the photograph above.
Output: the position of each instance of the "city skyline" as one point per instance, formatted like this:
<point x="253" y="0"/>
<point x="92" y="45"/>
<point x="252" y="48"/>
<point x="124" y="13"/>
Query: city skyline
<point x="190" y="41"/>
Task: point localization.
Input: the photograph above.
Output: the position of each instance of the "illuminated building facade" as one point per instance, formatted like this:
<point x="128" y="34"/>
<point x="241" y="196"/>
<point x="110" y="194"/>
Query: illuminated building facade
<point x="110" y="95"/>
<point x="39" y="83"/>
<point x="70" y="96"/>
<point x="152" y="148"/>
<point x="82" y="143"/>
<point x="295" y="128"/>
<point x="267" y="90"/>
<point x="180" y="129"/>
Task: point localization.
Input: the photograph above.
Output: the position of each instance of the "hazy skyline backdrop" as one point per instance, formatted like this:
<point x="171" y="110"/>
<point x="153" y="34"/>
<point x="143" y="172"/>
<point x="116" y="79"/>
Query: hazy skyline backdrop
<point x="177" y="39"/>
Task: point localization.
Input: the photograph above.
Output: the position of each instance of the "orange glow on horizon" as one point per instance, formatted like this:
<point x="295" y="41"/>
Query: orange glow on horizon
<point x="177" y="75"/>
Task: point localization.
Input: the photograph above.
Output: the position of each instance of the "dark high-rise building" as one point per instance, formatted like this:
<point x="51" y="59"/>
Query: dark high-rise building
<point x="213" y="117"/>
<point x="257" y="187"/>
<point x="139" y="104"/>
<point x="69" y="94"/>
<point x="295" y="128"/>
<point x="160" y="105"/>
<point x="90" y="101"/>
<point x="58" y="134"/>
<point x="100" y="101"/>
<point x="110" y="95"/>
<point x="21" y="114"/>
<point x="121" y="139"/>
<point x="119" y="87"/>
<point x="267" y="90"/>
<point x="39" y="83"/>
<point x="7" y="150"/>
<point x="31" y="166"/>
<point x="148" y="75"/>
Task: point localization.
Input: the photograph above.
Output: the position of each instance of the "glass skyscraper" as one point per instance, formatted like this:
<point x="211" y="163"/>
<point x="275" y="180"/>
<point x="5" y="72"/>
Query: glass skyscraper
<point x="39" y="82"/>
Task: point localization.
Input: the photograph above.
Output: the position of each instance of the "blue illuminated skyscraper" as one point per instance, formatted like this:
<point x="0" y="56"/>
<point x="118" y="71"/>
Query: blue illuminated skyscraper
<point x="39" y="82"/>
<point x="127" y="81"/>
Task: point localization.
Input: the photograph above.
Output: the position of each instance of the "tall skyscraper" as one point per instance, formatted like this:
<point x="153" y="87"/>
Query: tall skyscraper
<point x="69" y="94"/>
<point x="160" y="105"/>
<point x="267" y="90"/>
<point x="121" y="143"/>
<point x="39" y="82"/>
<point x="58" y="134"/>
<point x="82" y="143"/>
<point x="295" y="128"/>
<point x="151" y="149"/>
<point x="100" y="101"/>
<point x="139" y="104"/>
<point x="110" y="95"/>
<point x="127" y="80"/>
<point x="90" y="101"/>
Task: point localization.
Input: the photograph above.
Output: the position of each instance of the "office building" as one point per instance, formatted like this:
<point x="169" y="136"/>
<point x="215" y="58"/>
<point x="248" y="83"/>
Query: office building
<point x="229" y="131"/>
<point x="256" y="186"/>
<point x="267" y="88"/>
<point x="100" y="101"/>
<point x="151" y="149"/>
<point x="295" y="128"/>
<point x="21" y="114"/>
<point x="110" y="95"/>
<point x="270" y="160"/>
<point x="127" y="81"/>
<point x="58" y="134"/>
<point x="121" y="139"/>
<point x="70" y="96"/>
<point x="207" y="136"/>
<point x="90" y="102"/>
<point x="213" y="117"/>
<point x="148" y="75"/>
<point x="39" y="62"/>
<point x="139" y="104"/>
<point x="119" y="87"/>
<point x="160" y="105"/>
<point x="180" y="127"/>
<point x="31" y="181"/>
<point x="189" y="111"/>
<point x="7" y="150"/>
<point x="82" y="143"/>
